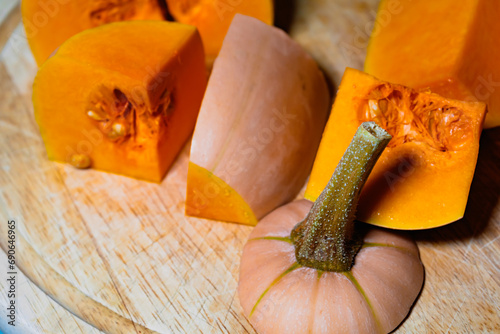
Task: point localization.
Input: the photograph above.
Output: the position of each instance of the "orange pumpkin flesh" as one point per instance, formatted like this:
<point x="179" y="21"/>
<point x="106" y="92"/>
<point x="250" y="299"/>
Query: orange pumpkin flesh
<point x="423" y="178"/>
<point x="49" y="23"/>
<point x="455" y="57"/>
<point x="259" y="125"/>
<point x="204" y="189"/>
<point x="122" y="98"/>
<point x="282" y="288"/>
<point x="213" y="18"/>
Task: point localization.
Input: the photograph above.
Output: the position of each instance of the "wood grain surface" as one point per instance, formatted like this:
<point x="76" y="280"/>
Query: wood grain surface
<point x="98" y="252"/>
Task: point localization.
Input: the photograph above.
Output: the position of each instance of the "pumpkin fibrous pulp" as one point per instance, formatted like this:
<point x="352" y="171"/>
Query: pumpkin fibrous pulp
<point x="422" y="179"/>
<point x="122" y="97"/>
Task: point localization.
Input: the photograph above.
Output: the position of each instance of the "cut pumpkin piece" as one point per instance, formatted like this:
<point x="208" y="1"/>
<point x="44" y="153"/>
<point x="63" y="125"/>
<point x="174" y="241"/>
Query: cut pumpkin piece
<point x="230" y="205"/>
<point x="49" y="23"/>
<point x="259" y="126"/>
<point x="122" y="97"/>
<point x="213" y="18"/>
<point x="456" y="57"/>
<point x="422" y="179"/>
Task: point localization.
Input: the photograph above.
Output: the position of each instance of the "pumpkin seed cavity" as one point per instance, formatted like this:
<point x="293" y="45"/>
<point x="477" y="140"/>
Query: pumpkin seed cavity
<point x="107" y="11"/>
<point x="412" y="116"/>
<point x="122" y="119"/>
<point x="188" y="6"/>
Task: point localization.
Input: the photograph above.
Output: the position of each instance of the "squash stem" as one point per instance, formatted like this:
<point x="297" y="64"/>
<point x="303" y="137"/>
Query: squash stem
<point x="325" y="239"/>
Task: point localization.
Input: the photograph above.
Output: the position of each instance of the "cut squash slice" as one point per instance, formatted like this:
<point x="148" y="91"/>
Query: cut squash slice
<point x="213" y="18"/>
<point x="422" y="179"/>
<point x="447" y="46"/>
<point x="49" y="23"/>
<point x="122" y="97"/>
<point x="259" y="126"/>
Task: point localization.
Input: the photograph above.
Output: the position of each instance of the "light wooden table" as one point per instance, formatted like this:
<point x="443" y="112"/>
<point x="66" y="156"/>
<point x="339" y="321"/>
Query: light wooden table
<point x="101" y="251"/>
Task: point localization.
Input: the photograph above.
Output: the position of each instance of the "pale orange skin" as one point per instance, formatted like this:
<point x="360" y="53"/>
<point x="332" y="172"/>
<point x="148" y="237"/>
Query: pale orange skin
<point x="387" y="269"/>
<point x="259" y="126"/>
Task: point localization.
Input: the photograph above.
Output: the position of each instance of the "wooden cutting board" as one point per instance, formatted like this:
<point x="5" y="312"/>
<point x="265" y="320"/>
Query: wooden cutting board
<point x="101" y="252"/>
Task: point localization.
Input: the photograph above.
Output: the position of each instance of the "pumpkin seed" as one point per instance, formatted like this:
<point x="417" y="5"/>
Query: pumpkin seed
<point x="80" y="161"/>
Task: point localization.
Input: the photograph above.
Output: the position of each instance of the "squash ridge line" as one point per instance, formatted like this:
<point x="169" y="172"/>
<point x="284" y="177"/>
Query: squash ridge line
<point x="285" y="239"/>
<point x="294" y="266"/>
<point x="358" y="287"/>
<point x="314" y="302"/>
<point x="375" y="244"/>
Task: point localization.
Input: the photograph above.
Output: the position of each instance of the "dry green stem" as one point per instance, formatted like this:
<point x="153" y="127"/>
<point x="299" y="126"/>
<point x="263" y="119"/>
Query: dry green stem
<point x="325" y="239"/>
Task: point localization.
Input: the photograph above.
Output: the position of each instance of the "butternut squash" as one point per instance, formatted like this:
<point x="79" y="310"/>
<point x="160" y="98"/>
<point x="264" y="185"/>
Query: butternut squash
<point x="422" y="179"/>
<point x="213" y="17"/>
<point x="122" y="97"/>
<point x="448" y="46"/>
<point x="259" y="126"/>
<point x="48" y="23"/>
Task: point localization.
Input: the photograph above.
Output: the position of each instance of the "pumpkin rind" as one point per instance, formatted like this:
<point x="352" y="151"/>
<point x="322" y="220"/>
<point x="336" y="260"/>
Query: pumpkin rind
<point x="49" y="23"/>
<point x="260" y="121"/>
<point x="422" y="179"/>
<point x="129" y="112"/>
<point x="327" y="302"/>
<point x="457" y="58"/>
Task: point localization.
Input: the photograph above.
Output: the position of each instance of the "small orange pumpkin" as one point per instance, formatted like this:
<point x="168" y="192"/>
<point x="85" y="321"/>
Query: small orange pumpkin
<point x="323" y="275"/>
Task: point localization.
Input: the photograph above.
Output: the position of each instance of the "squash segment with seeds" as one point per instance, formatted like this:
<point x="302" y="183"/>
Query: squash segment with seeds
<point x="422" y="179"/>
<point x="122" y="98"/>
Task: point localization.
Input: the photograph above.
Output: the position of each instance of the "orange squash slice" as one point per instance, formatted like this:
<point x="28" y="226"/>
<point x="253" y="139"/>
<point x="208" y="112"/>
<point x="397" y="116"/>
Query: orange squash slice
<point x="213" y="18"/>
<point x="48" y="23"/>
<point x="448" y="46"/>
<point x="122" y="97"/>
<point x="422" y="179"/>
